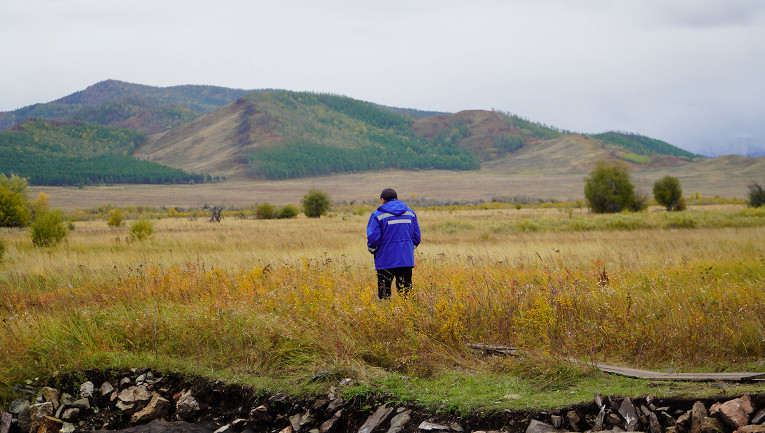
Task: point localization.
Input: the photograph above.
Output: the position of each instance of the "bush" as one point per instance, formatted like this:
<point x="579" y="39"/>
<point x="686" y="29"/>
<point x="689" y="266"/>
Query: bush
<point x="115" y="218"/>
<point x="265" y="211"/>
<point x="756" y="195"/>
<point x="3" y="248"/>
<point x="141" y="229"/>
<point x="48" y="229"/>
<point x="668" y="193"/>
<point x="608" y="189"/>
<point x="315" y="203"/>
<point x="14" y="195"/>
<point x="287" y="211"/>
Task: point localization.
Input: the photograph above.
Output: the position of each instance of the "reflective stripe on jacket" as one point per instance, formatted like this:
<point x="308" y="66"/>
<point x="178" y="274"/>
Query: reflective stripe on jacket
<point x="392" y="235"/>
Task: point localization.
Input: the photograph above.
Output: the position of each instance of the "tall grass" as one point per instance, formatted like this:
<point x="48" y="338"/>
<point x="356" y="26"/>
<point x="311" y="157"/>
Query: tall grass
<point x="292" y="297"/>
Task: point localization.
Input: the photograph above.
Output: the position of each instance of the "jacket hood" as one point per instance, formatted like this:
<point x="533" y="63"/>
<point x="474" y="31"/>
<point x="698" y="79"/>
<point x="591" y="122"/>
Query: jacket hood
<point x="395" y="207"/>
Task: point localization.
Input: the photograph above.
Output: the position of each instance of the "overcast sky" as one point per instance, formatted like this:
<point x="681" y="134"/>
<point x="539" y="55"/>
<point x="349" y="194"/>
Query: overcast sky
<point x="690" y="72"/>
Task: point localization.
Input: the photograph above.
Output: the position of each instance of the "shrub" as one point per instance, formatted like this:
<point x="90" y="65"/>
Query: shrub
<point x="3" y="248"/>
<point x="287" y="211"/>
<point x="608" y="189"/>
<point x="141" y="229"/>
<point x="756" y="195"/>
<point x="14" y="195"/>
<point x="115" y="218"/>
<point x="48" y="228"/>
<point x="265" y="211"/>
<point x="315" y="203"/>
<point x="668" y="193"/>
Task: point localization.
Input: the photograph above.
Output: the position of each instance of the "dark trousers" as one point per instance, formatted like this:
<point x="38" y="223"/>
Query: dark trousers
<point x="385" y="278"/>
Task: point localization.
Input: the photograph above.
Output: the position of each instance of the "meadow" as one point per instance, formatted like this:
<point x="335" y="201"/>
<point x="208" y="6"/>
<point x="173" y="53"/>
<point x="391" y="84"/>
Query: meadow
<point x="271" y="303"/>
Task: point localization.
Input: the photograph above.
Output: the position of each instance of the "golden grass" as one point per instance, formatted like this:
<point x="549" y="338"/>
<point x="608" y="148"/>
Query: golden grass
<point x="284" y="297"/>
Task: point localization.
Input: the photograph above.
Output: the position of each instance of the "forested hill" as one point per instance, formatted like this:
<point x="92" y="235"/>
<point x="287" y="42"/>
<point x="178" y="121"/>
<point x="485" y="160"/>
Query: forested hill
<point x="55" y="153"/>
<point x="139" y="107"/>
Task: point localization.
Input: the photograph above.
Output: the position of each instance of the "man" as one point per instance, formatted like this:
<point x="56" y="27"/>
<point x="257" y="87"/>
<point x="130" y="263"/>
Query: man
<point x="392" y="236"/>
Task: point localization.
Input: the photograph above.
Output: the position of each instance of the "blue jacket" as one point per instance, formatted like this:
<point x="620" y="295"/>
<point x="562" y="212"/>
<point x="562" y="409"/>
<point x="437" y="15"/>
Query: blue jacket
<point x="392" y="235"/>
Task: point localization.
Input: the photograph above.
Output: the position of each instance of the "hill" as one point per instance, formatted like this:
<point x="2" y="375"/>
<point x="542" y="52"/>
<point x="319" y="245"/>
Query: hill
<point x="139" y="107"/>
<point x="76" y="153"/>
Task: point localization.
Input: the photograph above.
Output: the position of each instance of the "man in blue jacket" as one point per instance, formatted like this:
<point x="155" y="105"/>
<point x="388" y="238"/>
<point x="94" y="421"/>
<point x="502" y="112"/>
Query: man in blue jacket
<point x="392" y="236"/>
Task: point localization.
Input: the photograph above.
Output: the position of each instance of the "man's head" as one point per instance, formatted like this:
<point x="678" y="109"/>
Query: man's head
<point x="388" y="194"/>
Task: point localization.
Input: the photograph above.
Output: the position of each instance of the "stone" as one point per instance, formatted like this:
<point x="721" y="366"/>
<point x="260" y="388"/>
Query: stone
<point x="37" y="412"/>
<point x="573" y="420"/>
<point x="456" y="427"/>
<point x="556" y="420"/>
<point x="124" y="382"/>
<point x="295" y="421"/>
<point x="653" y="423"/>
<point x="541" y="427"/>
<point x="106" y="389"/>
<point x="70" y="414"/>
<point x="133" y="399"/>
<point x="751" y="429"/>
<point x="261" y="413"/>
<point x="334" y="405"/>
<point x="228" y="428"/>
<point x="759" y="417"/>
<point x="735" y="413"/>
<point x="278" y="397"/>
<point x="379" y="416"/>
<point x="327" y="425"/>
<point x="82" y="404"/>
<point x="287" y="429"/>
<point x="5" y="422"/>
<point x="429" y="426"/>
<point x="698" y="416"/>
<point x="87" y="389"/>
<point x="50" y="425"/>
<point x="52" y="395"/>
<point x="67" y="428"/>
<point x="157" y="407"/>
<point x="17" y="406"/>
<point x="627" y="411"/>
<point x="24" y="419"/>
<point x="187" y="406"/>
<point x="398" y="422"/>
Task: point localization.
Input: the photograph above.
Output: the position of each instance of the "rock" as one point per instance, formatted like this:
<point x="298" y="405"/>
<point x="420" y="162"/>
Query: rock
<point x="627" y="411"/>
<point x="334" y="405"/>
<point x="759" y="417"/>
<point x="82" y="404"/>
<point x="278" y="397"/>
<point x="261" y="413"/>
<point x="380" y="415"/>
<point x="17" y="406"/>
<point x="5" y="422"/>
<point x="24" y="418"/>
<point x="133" y="399"/>
<point x="70" y="414"/>
<point x="699" y="415"/>
<point x="295" y="421"/>
<point x="653" y="423"/>
<point x="158" y="407"/>
<point x="106" y="389"/>
<point x="52" y="395"/>
<point x="557" y="421"/>
<point x="327" y="425"/>
<point x="87" y="389"/>
<point x="456" y="427"/>
<point x="140" y="380"/>
<point x="67" y="428"/>
<point x="429" y="426"/>
<point x="50" y="425"/>
<point x="187" y="406"/>
<point x="228" y="428"/>
<point x="37" y="412"/>
<point x="287" y="429"/>
<point x="751" y="429"/>
<point x="124" y="382"/>
<point x="541" y="427"/>
<point x="735" y="413"/>
<point x="398" y="422"/>
<point x="307" y="419"/>
<point x="573" y="420"/>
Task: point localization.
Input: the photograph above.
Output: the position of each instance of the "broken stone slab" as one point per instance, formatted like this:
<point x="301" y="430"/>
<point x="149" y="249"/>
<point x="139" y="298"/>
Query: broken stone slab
<point x="735" y="413"/>
<point x="429" y="426"/>
<point x="37" y="412"/>
<point x="5" y="422"/>
<point x="187" y="406"/>
<point x="379" y="416"/>
<point x="261" y="413"/>
<point x="334" y="405"/>
<point x="627" y="411"/>
<point x="52" y="395"/>
<point x="573" y="420"/>
<point x="50" y="425"/>
<point x="329" y="424"/>
<point x="398" y="422"/>
<point x="158" y="407"/>
<point x="653" y="423"/>
<point x="759" y="417"/>
<point x="67" y="427"/>
<point x="17" y="406"/>
<point x="87" y="389"/>
<point x="70" y="414"/>
<point x="106" y="389"/>
<point x="133" y="399"/>
<point x="751" y="429"/>
<point x="541" y="427"/>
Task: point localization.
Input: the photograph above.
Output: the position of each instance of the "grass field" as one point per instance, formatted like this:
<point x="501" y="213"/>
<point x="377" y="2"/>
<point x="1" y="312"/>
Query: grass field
<point x="272" y="302"/>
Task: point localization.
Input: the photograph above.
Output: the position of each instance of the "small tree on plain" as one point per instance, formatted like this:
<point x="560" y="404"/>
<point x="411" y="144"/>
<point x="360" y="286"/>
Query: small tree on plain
<point x="756" y="195"/>
<point x="608" y="189"/>
<point x="48" y="228"/>
<point x="14" y="201"/>
<point x="315" y="203"/>
<point x="287" y="211"/>
<point x="265" y="211"/>
<point x="668" y="193"/>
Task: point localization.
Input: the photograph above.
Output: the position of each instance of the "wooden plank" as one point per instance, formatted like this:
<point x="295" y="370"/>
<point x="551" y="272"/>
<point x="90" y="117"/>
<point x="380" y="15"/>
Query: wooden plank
<point x="691" y="377"/>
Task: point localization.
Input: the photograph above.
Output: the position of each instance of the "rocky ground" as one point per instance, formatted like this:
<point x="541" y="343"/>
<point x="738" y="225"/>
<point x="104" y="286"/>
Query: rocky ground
<point x="144" y="401"/>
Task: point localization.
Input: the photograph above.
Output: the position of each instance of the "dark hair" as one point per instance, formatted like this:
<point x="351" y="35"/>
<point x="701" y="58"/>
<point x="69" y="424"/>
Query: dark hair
<point x="388" y="194"/>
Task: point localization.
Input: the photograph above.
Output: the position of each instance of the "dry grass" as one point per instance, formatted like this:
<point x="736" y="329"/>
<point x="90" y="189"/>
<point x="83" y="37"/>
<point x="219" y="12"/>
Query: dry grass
<point x="296" y="296"/>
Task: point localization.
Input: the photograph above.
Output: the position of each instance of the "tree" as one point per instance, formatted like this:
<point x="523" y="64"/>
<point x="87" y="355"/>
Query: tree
<point x="315" y="203"/>
<point x="608" y="189"/>
<point x="756" y="195"/>
<point x="668" y="193"/>
<point x="14" y="201"/>
<point x="287" y="211"/>
<point x="48" y="228"/>
<point x="265" y="211"/>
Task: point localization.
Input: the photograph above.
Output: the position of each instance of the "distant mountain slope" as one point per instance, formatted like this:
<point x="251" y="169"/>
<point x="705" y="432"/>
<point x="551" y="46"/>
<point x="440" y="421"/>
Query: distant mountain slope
<point x="281" y="134"/>
<point x="143" y="108"/>
<point x="55" y="153"/>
